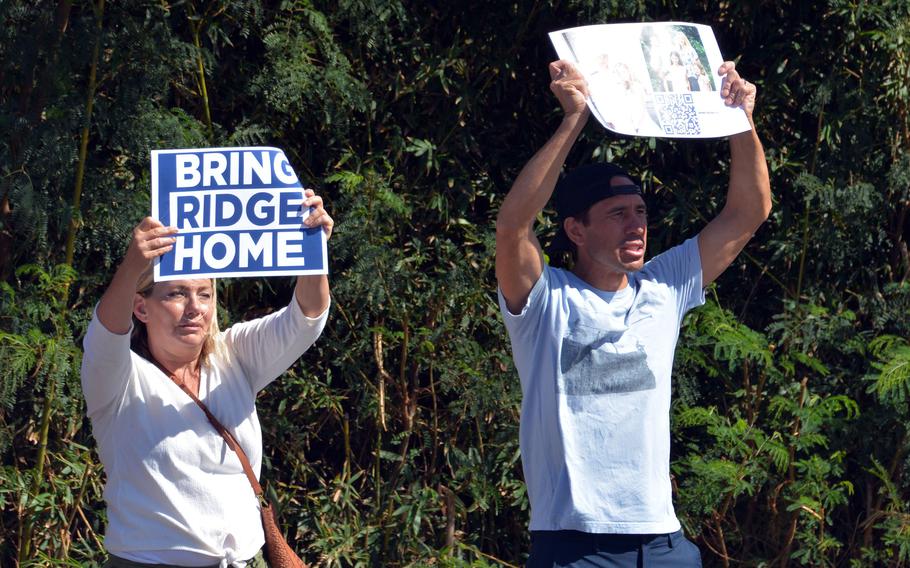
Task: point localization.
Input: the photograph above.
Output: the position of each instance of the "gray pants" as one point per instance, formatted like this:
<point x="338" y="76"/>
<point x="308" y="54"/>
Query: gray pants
<point x="573" y="549"/>
<point x="257" y="561"/>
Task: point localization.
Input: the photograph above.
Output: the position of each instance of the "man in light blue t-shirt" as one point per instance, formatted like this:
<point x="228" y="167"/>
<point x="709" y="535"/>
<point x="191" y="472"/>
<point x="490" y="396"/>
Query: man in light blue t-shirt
<point x="594" y="345"/>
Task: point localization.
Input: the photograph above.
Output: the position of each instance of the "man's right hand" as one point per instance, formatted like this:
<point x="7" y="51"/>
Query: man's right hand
<point x="570" y="87"/>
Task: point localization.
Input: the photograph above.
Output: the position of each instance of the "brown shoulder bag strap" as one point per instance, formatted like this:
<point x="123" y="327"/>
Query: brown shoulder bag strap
<point x="228" y="437"/>
<point x="278" y="552"/>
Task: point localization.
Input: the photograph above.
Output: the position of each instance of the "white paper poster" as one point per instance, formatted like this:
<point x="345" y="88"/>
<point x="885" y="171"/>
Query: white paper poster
<point x="654" y="79"/>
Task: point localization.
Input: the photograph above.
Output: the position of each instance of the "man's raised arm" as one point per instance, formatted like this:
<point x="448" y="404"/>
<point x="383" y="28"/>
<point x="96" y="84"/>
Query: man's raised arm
<point x="519" y="259"/>
<point x="749" y="193"/>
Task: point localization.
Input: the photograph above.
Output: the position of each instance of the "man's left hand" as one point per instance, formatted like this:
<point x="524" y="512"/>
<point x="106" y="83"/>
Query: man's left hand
<point x="736" y="91"/>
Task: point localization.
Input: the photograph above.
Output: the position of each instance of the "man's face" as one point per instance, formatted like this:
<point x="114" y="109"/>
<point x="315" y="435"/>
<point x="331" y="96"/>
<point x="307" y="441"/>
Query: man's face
<point x="612" y="235"/>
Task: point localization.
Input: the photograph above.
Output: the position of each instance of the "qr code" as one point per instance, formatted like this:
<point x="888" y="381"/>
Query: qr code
<point x="677" y="114"/>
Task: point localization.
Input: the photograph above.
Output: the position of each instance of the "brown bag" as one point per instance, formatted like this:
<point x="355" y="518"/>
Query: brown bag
<point x="277" y="550"/>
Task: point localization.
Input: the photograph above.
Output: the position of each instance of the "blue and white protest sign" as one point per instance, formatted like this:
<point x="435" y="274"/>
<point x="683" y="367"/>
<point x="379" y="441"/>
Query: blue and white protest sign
<point x="238" y="212"/>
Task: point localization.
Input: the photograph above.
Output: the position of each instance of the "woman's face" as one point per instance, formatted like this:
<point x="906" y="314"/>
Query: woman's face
<point x="178" y="315"/>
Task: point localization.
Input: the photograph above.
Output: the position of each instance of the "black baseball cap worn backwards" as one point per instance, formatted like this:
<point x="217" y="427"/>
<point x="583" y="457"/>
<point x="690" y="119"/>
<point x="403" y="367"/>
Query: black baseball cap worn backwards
<point x="581" y="188"/>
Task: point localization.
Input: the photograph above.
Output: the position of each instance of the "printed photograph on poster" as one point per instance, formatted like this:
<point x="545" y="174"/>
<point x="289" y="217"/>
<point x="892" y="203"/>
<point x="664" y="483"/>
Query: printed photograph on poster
<point x="238" y="212"/>
<point x="656" y="79"/>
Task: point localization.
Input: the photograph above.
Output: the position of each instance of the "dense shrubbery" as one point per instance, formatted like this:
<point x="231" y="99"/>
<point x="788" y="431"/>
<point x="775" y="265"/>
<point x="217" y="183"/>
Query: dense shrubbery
<point x="395" y="440"/>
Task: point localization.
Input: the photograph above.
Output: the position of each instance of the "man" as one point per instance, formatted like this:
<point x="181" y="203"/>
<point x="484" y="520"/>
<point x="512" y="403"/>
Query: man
<point x="594" y="346"/>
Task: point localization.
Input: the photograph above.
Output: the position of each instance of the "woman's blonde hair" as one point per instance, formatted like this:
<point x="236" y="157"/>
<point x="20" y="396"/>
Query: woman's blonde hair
<point x="139" y="339"/>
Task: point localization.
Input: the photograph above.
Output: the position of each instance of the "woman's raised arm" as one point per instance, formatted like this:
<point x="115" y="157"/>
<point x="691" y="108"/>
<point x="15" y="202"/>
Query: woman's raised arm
<point x="150" y="239"/>
<point x="312" y="292"/>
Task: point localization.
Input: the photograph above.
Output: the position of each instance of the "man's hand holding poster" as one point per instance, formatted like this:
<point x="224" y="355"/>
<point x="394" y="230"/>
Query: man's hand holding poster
<point x="655" y="79"/>
<point x="238" y="212"/>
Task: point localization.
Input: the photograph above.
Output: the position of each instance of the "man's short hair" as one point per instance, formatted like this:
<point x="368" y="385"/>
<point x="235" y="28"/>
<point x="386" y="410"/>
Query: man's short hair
<point x="581" y="188"/>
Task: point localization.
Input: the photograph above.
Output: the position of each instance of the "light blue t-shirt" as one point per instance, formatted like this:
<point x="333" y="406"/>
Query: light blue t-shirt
<point x="595" y="377"/>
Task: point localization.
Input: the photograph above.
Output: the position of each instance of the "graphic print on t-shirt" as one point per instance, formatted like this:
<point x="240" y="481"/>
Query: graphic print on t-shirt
<point x="595" y="361"/>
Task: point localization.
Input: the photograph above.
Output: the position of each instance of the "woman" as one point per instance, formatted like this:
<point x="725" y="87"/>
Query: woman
<point x="676" y="74"/>
<point x="176" y="494"/>
<point x="622" y="100"/>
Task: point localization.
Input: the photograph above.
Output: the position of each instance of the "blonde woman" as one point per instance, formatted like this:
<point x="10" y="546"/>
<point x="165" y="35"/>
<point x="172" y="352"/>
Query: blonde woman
<point x="176" y="495"/>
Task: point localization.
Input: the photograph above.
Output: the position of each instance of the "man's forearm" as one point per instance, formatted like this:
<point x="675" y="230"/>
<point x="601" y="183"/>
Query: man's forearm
<point x="534" y="185"/>
<point x="749" y="193"/>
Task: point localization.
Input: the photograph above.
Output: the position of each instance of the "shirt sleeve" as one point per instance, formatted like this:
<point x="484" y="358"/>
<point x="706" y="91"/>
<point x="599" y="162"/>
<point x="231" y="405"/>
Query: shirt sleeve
<point x="527" y="321"/>
<point x="680" y="269"/>
<point x="106" y="366"/>
<point x="266" y="347"/>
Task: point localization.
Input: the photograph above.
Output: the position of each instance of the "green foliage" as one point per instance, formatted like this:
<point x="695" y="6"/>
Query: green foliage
<point x="35" y="340"/>
<point x="893" y="520"/>
<point x="891" y="381"/>
<point x="772" y="439"/>
<point x="394" y="442"/>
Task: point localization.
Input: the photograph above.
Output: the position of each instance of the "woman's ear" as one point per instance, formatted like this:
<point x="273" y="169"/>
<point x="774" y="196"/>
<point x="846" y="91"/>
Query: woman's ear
<point x="139" y="308"/>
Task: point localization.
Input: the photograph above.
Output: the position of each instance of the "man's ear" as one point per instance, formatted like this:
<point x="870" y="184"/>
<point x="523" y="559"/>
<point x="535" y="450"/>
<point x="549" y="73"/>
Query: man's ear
<point x="573" y="230"/>
<point x="139" y="308"/>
